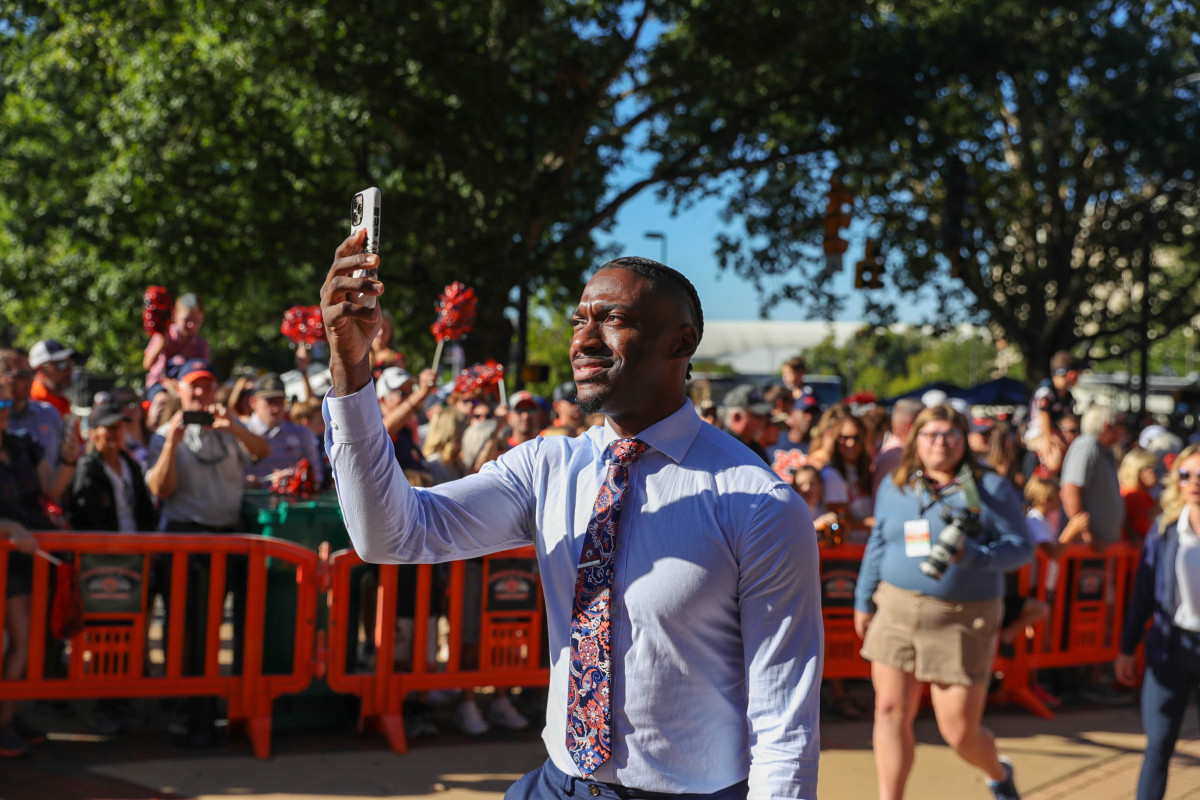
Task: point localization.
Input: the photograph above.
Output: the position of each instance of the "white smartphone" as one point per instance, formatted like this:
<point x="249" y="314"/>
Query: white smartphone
<point x="364" y="213"/>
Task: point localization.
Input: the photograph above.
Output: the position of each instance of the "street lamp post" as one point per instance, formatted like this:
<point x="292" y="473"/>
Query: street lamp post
<point x="662" y="240"/>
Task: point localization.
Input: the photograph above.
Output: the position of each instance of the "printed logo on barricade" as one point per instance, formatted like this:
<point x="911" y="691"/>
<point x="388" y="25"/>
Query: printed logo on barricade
<point x="512" y="585"/>
<point x="1091" y="580"/>
<point x="111" y="583"/>
<point x="838" y="580"/>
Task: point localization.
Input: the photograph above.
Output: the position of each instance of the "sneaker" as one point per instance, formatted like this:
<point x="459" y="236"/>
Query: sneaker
<point x="469" y="719"/>
<point x="31" y="735"/>
<point x="1005" y="789"/>
<point x="1105" y="695"/>
<point x="11" y="744"/>
<point x="504" y="714"/>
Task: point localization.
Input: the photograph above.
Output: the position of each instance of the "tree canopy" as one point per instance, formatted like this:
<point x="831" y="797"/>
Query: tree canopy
<point x="1068" y="133"/>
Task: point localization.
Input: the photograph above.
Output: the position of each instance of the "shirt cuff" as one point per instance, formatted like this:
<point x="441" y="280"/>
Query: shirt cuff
<point x="352" y="418"/>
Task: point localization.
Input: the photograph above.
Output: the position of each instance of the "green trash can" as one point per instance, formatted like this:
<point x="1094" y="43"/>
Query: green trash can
<point x="308" y="522"/>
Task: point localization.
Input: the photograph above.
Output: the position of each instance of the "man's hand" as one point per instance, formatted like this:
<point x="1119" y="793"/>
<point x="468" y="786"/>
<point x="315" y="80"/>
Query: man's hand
<point x="1078" y="527"/>
<point x="175" y="428"/>
<point x="221" y="417"/>
<point x="350" y="327"/>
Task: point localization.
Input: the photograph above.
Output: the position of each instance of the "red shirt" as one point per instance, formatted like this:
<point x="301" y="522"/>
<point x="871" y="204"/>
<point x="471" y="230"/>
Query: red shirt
<point x="1139" y="510"/>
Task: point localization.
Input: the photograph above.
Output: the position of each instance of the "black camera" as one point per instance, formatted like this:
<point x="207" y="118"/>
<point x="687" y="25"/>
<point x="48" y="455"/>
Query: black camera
<point x="961" y="524"/>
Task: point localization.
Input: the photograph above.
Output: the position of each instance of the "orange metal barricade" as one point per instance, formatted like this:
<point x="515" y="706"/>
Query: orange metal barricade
<point x="839" y="576"/>
<point x="510" y="637"/>
<point x="1087" y="610"/>
<point x="108" y="657"/>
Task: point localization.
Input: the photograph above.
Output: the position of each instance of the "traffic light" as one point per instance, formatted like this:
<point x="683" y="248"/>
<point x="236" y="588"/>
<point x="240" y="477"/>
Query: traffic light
<point x="868" y="272"/>
<point x="836" y="217"/>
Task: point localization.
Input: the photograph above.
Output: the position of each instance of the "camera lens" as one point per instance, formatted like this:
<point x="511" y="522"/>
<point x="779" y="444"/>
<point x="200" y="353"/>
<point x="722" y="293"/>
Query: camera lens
<point x="356" y="210"/>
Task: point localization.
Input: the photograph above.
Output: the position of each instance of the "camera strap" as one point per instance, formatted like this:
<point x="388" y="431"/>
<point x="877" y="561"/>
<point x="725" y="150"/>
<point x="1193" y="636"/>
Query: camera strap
<point x="963" y="482"/>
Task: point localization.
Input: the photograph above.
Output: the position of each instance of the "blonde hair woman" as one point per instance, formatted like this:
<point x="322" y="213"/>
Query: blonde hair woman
<point x="1167" y="588"/>
<point x="1138" y="478"/>
<point x="444" y="445"/>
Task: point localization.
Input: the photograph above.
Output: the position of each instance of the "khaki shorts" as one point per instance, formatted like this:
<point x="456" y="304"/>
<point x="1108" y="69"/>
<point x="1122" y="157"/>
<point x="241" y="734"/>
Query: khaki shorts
<point x="937" y="641"/>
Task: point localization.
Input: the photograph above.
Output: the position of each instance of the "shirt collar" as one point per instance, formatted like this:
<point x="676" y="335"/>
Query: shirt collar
<point x="672" y="436"/>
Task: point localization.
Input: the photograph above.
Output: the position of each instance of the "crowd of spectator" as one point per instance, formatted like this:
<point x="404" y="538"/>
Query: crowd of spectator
<point x="177" y="452"/>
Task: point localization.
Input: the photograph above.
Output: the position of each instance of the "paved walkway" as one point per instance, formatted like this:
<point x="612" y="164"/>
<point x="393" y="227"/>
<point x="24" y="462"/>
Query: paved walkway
<point x="1084" y="754"/>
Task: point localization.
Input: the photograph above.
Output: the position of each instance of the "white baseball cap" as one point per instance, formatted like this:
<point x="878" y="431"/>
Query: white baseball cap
<point x="392" y="379"/>
<point x="48" y="350"/>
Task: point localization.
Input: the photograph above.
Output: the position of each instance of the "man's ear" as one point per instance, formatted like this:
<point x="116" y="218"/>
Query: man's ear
<point x="686" y="342"/>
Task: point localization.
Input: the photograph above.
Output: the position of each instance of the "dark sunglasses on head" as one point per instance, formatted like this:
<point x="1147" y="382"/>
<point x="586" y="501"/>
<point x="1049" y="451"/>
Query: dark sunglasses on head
<point x="1187" y="476"/>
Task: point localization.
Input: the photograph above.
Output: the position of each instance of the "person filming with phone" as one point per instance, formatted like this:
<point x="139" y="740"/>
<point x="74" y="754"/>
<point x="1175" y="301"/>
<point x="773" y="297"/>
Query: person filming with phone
<point x="199" y="458"/>
<point x="930" y="597"/>
<point x="680" y="574"/>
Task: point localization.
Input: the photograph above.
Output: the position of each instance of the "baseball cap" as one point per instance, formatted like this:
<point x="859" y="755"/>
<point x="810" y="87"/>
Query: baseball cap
<point x="522" y="398"/>
<point x="195" y="369"/>
<point x="269" y="385"/>
<point x="48" y="350"/>
<point x="392" y="379"/>
<point x="107" y="414"/>
<point x="746" y="396"/>
<point x="1063" y="362"/>
<point x="565" y="391"/>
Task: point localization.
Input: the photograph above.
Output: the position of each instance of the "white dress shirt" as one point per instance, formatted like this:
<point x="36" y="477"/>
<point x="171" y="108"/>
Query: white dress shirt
<point x="716" y="622"/>
<point x="1187" y="575"/>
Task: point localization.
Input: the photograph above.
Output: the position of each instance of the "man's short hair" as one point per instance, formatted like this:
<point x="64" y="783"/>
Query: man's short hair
<point x="664" y="280"/>
<point x="796" y="364"/>
<point x="1064" y="361"/>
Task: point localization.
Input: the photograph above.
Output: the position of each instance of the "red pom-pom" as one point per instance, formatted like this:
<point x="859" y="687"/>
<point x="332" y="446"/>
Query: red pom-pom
<point x="156" y="310"/>
<point x="298" y="481"/>
<point x="479" y="377"/>
<point x="303" y="325"/>
<point x="456" y="313"/>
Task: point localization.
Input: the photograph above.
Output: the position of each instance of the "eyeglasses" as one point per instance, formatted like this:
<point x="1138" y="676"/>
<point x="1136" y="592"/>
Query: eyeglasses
<point x="949" y="437"/>
<point x="61" y="366"/>
<point x="1187" y="476"/>
<point x="5" y="405"/>
<point x="23" y="374"/>
<point x="482" y="415"/>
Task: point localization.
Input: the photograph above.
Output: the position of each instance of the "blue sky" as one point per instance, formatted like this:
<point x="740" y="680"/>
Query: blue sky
<point x="691" y="243"/>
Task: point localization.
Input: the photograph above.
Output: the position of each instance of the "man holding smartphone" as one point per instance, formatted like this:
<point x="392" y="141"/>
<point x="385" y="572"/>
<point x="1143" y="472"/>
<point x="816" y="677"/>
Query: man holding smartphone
<point x="197" y="475"/>
<point x="680" y="574"/>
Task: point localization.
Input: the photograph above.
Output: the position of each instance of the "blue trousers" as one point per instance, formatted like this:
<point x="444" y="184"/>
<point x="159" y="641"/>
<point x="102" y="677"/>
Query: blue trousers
<point x="548" y="782"/>
<point x="1167" y="691"/>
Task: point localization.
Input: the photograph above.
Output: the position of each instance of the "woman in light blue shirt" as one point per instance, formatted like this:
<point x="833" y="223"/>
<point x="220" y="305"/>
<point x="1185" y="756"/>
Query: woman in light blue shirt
<point x="928" y="603"/>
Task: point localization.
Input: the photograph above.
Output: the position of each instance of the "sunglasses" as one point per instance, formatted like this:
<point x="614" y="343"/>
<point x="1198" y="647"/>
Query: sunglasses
<point x="848" y="439"/>
<point x="1187" y="476"/>
<point x="949" y="437"/>
<point x="25" y="374"/>
<point x="5" y="405"/>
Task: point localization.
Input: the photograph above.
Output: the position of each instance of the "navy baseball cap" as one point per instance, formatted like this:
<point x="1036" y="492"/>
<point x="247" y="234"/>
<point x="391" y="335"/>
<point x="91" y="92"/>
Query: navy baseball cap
<point x="194" y="370"/>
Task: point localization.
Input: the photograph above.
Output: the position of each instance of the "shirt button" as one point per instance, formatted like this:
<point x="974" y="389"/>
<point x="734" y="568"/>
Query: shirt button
<point x="594" y="791"/>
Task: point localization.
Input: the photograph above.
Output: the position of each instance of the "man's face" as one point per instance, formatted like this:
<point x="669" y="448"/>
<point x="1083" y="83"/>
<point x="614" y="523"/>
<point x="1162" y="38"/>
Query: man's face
<point x="800" y="422"/>
<point x="17" y="376"/>
<point x="198" y="394"/>
<point x="269" y="410"/>
<point x="108" y="438"/>
<point x="524" y="419"/>
<point x="744" y="425"/>
<point x="58" y="374"/>
<point x="627" y="346"/>
<point x="569" y="413"/>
